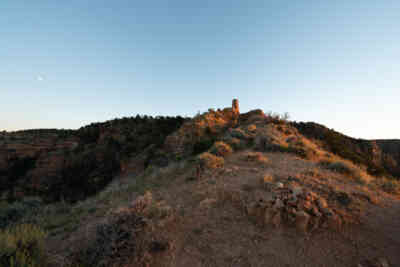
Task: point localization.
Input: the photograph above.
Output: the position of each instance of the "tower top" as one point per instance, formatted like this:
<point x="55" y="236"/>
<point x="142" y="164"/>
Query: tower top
<point x="235" y="106"/>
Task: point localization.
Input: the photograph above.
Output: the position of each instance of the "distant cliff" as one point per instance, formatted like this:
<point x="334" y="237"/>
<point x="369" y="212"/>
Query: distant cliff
<point x="382" y="157"/>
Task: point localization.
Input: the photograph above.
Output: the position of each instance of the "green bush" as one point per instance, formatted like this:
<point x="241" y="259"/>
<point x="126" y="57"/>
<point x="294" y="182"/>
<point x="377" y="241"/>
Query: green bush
<point x="22" y="246"/>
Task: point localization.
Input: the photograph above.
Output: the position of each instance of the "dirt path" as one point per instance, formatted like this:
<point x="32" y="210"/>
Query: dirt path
<point x="382" y="230"/>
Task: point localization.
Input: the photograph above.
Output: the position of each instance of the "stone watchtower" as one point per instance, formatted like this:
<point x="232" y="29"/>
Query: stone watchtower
<point x="235" y="106"/>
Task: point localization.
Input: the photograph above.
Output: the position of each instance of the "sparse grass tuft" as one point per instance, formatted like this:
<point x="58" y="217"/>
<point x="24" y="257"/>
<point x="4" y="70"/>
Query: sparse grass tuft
<point x="256" y="157"/>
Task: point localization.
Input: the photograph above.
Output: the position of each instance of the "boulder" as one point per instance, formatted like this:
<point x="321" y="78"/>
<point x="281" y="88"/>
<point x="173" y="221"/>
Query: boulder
<point x="302" y="220"/>
<point x="276" y="219"/>
<point x="322" y="203"/>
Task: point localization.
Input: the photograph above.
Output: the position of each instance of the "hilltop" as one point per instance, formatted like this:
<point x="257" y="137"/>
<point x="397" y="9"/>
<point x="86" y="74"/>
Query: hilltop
<point x="223" y="188"/>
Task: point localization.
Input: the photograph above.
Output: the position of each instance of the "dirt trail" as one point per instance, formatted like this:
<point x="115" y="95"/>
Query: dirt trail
<point x="222" y="236"/>
<point x="382" y="230"/>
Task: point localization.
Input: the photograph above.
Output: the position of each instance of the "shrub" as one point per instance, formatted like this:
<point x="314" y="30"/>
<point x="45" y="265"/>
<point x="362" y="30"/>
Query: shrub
<point x="238" y="133"/>
<point x="221" y="149"/>
<point x="391" y="186"/>
<point x="210" y="161"/>
<point x="337" y="166"/>
<point x="235" y="143"/>
<point x="22" y="246"/>
<point x="126" y="238"/>
<point x="116" y="242"/>
<point x="14" y="212"/>
<point x="299" y="151"/>
<point x="277" y="118"/>
<point x="202" y="146"/>
<point x="346" y="169"/>
<point x="256" y="157"/>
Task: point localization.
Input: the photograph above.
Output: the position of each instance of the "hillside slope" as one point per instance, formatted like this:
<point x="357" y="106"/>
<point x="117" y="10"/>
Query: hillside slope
<point x="382" y="157"/>
<point x="74" y="164"/>
<point x="222" y="189"/>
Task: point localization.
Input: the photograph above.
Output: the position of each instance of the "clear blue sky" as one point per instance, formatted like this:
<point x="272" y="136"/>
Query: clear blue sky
<point x="64" y="64"/>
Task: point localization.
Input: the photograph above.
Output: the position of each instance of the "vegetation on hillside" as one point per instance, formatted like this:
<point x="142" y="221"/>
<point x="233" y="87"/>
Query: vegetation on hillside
<point x="92" y="164"/>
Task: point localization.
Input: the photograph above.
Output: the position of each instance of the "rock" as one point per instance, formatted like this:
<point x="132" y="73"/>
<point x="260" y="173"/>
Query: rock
<point x="296" y="191"/>
<point x="377" y="262"/>
<point x="276" y="220"/>
<point x="252" y="209"/>
<point x="322" y="203"/>
<point x="326" y="211"/>
<point x="383" y="262"/>
<point x="315" y="211"/>
<point x="278" y="204"/>
<point x="302" y="219"/>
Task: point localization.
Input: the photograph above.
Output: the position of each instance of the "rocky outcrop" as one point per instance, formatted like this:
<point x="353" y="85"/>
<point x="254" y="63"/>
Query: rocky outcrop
<point x="294" y="206"/>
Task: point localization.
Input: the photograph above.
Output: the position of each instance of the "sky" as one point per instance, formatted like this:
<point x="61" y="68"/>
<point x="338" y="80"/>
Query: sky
<point x="65" y="64"/>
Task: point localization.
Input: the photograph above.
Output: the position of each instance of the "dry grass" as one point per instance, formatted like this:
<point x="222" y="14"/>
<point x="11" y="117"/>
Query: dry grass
<point x="22" y="246"/>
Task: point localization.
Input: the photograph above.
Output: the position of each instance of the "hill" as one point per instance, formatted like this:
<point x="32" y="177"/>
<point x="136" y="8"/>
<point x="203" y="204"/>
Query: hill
<point x="380" y="156"/>
<point x="74" y="164"/>
<point x="221" y="189"/>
